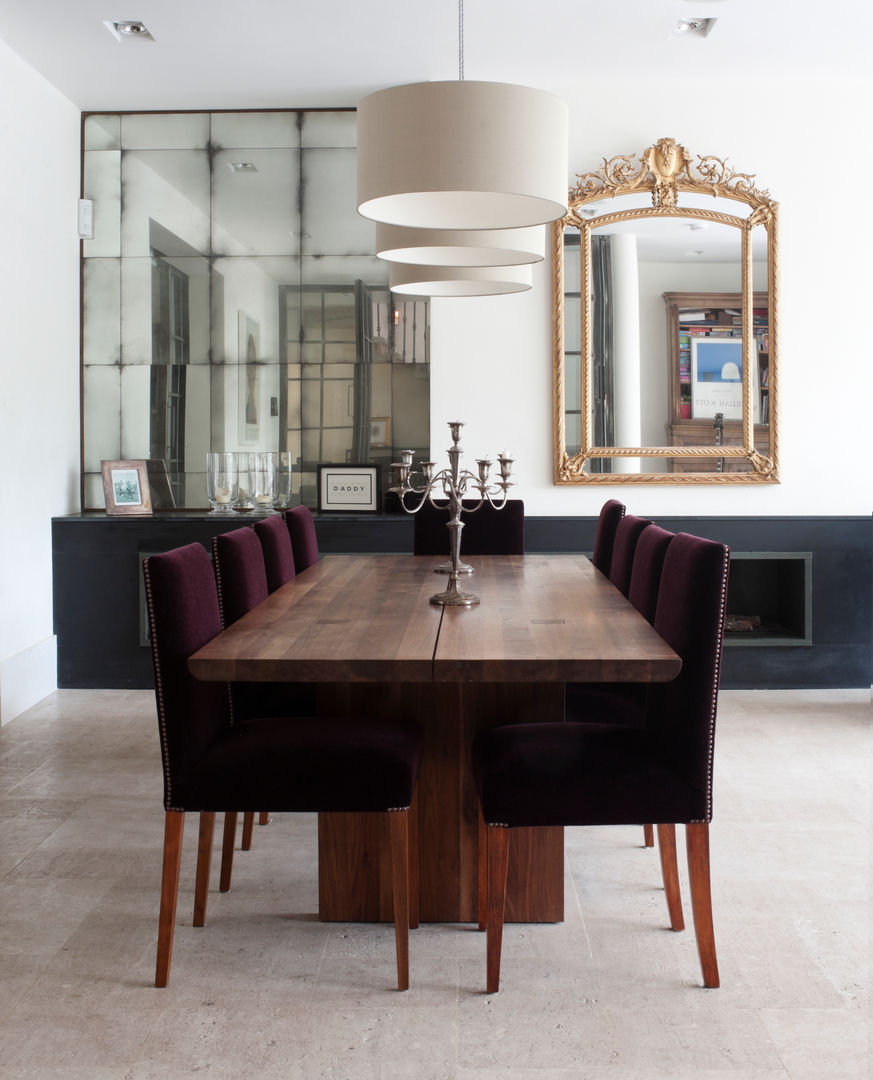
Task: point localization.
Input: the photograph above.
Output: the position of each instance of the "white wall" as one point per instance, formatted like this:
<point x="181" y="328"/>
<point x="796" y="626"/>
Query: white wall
<point x="491" y="357"/>
<point x="39" y="380"/>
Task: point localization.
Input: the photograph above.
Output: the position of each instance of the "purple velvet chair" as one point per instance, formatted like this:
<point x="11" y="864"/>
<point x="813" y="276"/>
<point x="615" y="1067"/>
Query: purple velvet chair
<point x="240" y="572"/>
<point x="304" y="542"/>
<point x="629" y="530"/>
<point x="486" y="532"/>
<point x="293" y="764"/>
<point x="601" y="773"/>
<point x="611" y="514"/>
<point x="277" y="551"/>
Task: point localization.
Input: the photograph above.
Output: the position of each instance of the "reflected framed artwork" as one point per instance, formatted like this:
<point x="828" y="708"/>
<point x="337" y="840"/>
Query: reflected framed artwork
<point x="717" y="377"/>
<point x="380" y="432"/>
<point x="126" y="487"/>
<point x="249" y="379"/>
<point x="349" y="488"/>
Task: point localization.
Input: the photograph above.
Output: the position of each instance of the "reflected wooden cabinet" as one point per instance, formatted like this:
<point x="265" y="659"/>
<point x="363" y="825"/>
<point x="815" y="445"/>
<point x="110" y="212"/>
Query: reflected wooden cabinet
<point x="714" y="319"/>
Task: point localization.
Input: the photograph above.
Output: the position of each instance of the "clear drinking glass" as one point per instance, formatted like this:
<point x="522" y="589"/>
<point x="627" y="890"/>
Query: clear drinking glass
<point x="222" y="481"/>
<point x="283" y="479"/>
<point x="262" y="480"/>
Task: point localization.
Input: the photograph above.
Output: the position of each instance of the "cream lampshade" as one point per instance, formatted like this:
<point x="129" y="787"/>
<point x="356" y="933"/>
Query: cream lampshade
<point x="462" y="155"/>
<point x="458" y="280"/>
<point x="460" y="247"/>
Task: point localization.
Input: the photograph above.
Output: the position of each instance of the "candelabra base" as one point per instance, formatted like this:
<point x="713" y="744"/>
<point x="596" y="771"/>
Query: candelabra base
<point x="446" y="568"/>
<point x="454" y="597"/>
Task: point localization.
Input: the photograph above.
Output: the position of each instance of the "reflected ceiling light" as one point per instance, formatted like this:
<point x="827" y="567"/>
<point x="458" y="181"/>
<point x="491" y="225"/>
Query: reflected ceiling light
<point x="128" y="28"/>
<point x="460" y="247"/>
<point x="462" y="155"/>
<point x="694" y="27"/>
<point x="242" y="166"/>
<point x="458" y="280"/>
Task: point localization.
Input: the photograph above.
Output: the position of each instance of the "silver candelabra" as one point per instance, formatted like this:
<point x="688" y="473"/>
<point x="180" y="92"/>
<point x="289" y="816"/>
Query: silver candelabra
<point x="453" y="484"/>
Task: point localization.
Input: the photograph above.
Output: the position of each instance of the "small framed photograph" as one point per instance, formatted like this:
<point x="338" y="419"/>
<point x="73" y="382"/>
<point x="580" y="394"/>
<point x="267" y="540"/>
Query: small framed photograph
<point x="380" y="432"/>
<point x="126" y="487"/>
<point x="349" y="488"/>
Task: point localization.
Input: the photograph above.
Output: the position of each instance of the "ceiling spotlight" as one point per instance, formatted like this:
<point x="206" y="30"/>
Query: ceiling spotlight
<point x="128" y="28"/>
<point x="242" y="166"/>
<point x="694" y="27"/>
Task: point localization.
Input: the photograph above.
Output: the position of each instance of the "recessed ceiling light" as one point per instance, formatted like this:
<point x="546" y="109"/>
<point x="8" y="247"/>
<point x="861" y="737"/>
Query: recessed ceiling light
<point x="694" y="27"/>
<point x="242" y="166"/>
<point x="128" y="28"/>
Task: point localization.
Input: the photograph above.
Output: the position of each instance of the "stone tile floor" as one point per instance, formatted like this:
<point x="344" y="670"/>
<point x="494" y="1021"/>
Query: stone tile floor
<point x="266" y="991"/>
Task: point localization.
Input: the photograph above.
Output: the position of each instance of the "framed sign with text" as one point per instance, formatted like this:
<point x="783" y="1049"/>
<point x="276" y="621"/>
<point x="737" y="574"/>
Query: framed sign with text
<point x="349" y="488"/>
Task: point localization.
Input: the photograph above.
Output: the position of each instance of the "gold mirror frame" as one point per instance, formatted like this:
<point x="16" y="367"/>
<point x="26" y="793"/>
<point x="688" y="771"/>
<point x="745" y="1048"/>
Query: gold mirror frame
<point x="665" y="170"/>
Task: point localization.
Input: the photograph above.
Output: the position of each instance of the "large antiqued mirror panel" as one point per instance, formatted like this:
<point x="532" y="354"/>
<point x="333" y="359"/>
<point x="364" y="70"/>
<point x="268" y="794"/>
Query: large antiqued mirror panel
<point x="232" y="301"/>
<point x="666" y="324"/>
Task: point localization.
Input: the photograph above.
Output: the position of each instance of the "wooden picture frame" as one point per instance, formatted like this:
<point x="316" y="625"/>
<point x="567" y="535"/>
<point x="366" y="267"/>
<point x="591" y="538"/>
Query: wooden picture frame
<point x="126" y="487"/>
<point x="350" y="489"/>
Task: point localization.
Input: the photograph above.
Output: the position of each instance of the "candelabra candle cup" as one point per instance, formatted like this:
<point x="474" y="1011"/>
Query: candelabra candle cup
<point x="406" y="457"/>
<point x="401" y="474"/>
<point x="455" y="428"/>
<point x="222" y="481"/>
<point x="505" y="466"/>
<point x="427" y="468"/>
<point x="484" y="466"/>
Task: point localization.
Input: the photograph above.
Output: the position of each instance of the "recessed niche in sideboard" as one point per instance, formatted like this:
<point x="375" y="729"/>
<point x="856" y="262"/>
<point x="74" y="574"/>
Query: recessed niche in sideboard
<point x="769" y="598"/>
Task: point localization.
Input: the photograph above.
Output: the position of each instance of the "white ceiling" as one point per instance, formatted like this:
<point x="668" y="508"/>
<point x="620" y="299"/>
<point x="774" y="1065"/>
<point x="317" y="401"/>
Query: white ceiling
<point x="264" y="53"/>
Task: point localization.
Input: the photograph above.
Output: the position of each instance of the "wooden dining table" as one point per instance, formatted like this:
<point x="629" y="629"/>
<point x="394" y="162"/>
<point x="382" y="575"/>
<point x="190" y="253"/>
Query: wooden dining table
<point x="362" y="629"/>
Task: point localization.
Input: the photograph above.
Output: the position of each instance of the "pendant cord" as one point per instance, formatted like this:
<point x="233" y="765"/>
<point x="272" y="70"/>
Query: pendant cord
<point x="460" y="40"/>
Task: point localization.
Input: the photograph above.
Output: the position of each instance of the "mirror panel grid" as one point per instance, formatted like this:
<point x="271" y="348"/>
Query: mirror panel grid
<point x="665" y="324"/>
<point x="232" y="300"/>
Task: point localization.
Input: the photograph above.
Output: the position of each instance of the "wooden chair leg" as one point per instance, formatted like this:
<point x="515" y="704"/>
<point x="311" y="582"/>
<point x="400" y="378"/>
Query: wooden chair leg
<point x="670" y="874"/>
<point x="648" y="836"/>
<point x="248" y="830"/>
<point x="697" y="845"/>
<point x="398" y="829"/>
<point x="228" y="840"/>
<point x="174" y="824"/>
<point x="264" y="817"/>
<point x="482" y="867"/>
<point x="497" y="856"/>
<point x="414" y="876"/>
<point x="204" y="864"/>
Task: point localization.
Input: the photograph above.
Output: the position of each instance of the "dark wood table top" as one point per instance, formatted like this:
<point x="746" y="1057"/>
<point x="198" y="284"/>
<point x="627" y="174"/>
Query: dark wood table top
<point x="366" y="618"/>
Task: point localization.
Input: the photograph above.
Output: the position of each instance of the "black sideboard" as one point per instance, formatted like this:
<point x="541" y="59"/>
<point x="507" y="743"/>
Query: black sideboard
<point x="812" y="576"/>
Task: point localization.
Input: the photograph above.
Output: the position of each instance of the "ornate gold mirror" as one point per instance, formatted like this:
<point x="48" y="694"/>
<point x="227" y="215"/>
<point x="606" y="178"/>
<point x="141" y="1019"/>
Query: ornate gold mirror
<point x="666" y="324"/>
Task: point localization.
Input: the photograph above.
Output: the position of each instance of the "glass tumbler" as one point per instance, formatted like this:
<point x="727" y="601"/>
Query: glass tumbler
<point x="262" y="480"/>
<point x="222" y="481"/>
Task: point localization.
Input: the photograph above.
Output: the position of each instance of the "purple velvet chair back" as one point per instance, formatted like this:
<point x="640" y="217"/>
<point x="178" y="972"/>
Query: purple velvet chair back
<point x="611" y="514"/>
<point x="182" y="604"/>
<point x="486" y="532"/>
<point x="627" y="535"/>
<point x="240" y="573"/>
<point x="690" y="614"/>
<point x="304" y="542"/>
<point x="646" y="573"/>
<point x="278" y="553"/>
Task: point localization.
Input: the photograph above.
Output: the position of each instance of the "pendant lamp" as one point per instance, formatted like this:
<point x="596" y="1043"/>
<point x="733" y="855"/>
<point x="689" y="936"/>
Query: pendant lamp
<point x="458" y="280"/>
<point x="462" y="155"/>
<point x="460" y="247"/>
